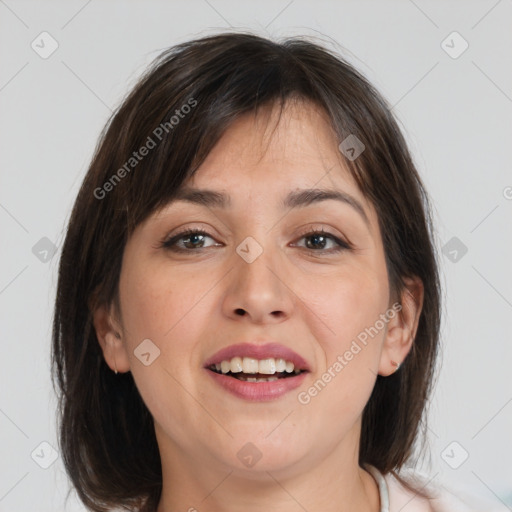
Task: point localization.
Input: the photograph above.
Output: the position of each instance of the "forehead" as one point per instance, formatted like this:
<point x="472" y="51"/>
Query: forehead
<point x="274" y="152"/>
<point x="271" y="164"/>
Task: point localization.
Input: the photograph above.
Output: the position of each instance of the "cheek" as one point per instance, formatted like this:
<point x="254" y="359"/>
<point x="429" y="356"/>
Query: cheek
<point x="350" y="333"/>
<point x="345" y="305"/>
<point x="174" y="311"/>
<point x="164" y="308"/>
<point x="159" y="304"/>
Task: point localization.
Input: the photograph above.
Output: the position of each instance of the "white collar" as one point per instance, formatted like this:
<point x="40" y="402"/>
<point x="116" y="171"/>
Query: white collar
<point x="383" y="486"/>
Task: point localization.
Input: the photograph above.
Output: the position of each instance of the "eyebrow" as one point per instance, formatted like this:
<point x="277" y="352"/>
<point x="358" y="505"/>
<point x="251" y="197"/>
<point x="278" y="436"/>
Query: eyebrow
<point x="295" y="199"/>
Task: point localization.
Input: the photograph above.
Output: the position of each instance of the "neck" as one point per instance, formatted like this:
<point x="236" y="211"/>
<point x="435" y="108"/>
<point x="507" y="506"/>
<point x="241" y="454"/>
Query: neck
<point x="334" y="484"/>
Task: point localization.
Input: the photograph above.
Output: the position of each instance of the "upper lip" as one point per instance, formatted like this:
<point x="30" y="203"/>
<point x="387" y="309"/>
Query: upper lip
<point x="258" y="351"/>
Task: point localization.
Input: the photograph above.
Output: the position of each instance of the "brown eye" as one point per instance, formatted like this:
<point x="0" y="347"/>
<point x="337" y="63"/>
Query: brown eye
<point x="187" y="241"/>
<point x="318" y="240"/>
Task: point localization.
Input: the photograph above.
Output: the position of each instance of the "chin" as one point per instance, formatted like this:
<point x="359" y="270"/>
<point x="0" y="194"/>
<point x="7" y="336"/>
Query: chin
<point x="255" y="454"/>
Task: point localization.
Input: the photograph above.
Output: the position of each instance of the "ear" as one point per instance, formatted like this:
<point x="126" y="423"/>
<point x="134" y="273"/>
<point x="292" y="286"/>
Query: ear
<point x="401" y="329"/>
<point x="110" y="338"/>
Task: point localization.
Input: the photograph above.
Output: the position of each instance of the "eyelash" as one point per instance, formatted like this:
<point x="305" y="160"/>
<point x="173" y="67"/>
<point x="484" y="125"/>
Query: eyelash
<point x="170" y="244"/>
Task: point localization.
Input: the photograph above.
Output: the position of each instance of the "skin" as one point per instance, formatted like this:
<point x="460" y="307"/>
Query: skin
<point x="313" y="301"/>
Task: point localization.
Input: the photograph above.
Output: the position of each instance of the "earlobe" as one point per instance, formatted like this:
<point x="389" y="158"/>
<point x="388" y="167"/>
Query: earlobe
<point x="103" y="326"/>
<point x="402" y="328"/>
<point x="110" y="340"/>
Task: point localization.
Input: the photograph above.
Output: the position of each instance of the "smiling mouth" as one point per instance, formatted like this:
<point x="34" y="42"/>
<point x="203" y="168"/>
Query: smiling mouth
<point x="253" y="370"/>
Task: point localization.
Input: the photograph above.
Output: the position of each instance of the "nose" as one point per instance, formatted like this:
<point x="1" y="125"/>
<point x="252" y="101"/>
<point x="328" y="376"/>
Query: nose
<point x="258" y="291"/>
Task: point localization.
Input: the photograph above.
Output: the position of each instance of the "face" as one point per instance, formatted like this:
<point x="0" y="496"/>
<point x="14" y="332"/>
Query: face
<point x="305" y="283"/>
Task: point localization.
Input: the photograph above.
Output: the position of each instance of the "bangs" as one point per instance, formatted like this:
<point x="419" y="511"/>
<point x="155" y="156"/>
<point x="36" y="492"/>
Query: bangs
<point x="168" y="125"/>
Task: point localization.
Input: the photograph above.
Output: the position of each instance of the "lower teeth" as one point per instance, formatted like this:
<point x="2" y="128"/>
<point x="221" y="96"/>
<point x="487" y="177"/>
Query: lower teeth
<point x="250" y="377"/>
<point x="255" y="379"/>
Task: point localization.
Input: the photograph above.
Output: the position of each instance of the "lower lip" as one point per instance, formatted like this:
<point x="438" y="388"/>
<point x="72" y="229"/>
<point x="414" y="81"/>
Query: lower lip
<point x="258" y="391"/>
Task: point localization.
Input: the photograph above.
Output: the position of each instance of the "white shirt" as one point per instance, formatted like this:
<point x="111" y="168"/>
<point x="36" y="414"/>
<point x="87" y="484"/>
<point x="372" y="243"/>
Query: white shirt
<point x="394" y="497"/>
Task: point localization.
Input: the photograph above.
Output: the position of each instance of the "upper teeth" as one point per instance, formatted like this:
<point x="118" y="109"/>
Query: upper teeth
<point x="251" y="365"/>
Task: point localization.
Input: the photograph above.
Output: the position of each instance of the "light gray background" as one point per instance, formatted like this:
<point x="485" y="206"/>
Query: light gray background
<point x="457" y="117"/>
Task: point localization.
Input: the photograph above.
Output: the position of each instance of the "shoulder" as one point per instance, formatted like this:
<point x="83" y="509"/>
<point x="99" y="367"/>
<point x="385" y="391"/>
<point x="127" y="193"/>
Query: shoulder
<point x="443" y="498"/>
<point x="402" y="499"/>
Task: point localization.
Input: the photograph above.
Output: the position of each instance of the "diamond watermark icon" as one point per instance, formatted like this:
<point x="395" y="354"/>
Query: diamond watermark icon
<point x="147" y="352"/>
<point x="454" y="45"/>
<point x="454" y="455"/>
<point x="44" y="249"/>
<point x="454" y="249"/>
<point x="249" y="455"/>
<point x="44" y="455"/>
<point x="351" y="147"/>
<point x="249" y="249"/>
<point x="44" y="45"/>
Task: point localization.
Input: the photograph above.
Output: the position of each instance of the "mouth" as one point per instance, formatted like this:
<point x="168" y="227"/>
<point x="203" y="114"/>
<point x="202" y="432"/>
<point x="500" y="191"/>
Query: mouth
<point x="249" y="369"/>
<point x="257" y="372"/>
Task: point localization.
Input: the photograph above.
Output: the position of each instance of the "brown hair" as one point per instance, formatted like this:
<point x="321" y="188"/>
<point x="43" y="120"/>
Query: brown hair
<point x="106" y="433"/>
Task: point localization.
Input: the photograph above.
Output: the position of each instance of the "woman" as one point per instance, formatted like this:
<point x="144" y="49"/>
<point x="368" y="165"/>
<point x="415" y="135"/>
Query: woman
<point x="248" y="303"/>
